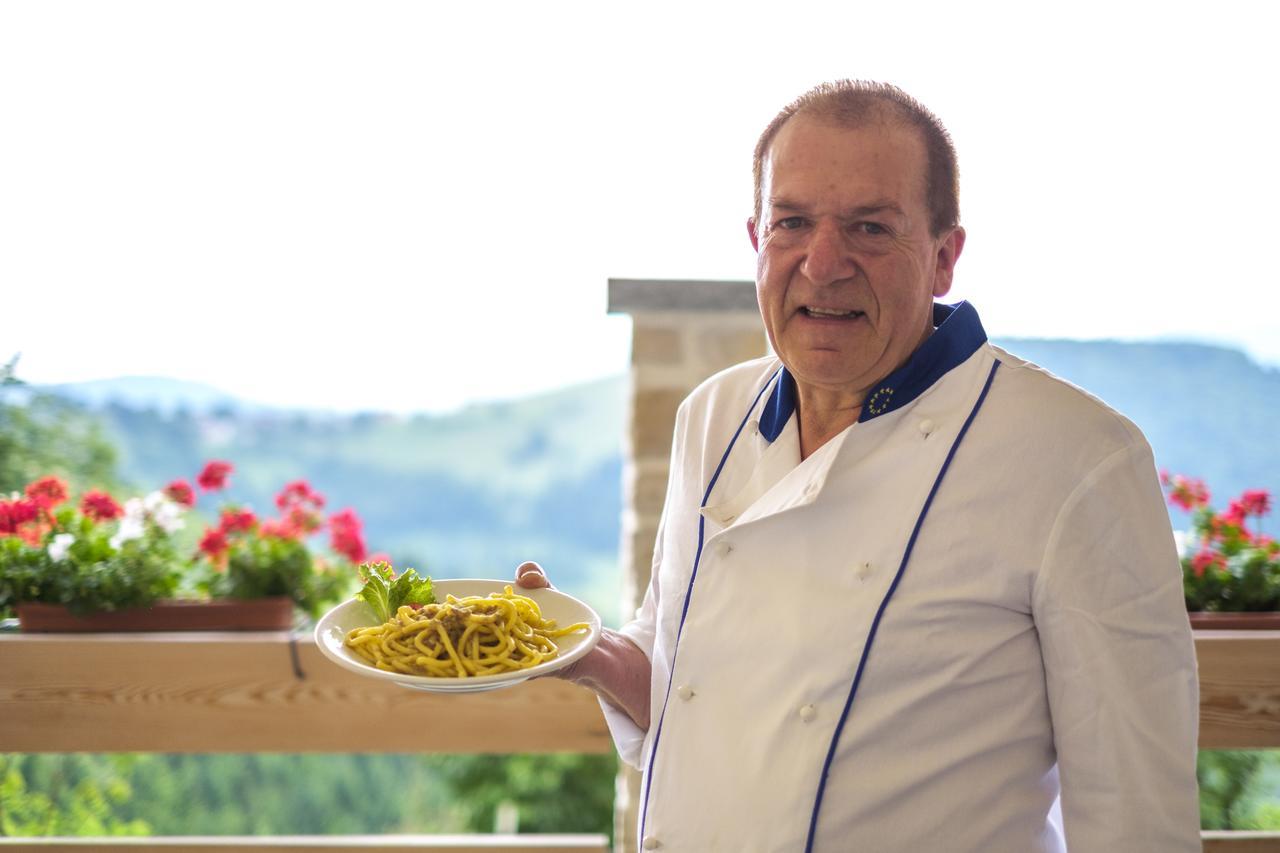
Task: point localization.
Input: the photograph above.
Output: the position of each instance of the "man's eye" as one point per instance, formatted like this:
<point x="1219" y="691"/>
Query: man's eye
<point x="872" y="228"/>
<point x="790" y="223"/>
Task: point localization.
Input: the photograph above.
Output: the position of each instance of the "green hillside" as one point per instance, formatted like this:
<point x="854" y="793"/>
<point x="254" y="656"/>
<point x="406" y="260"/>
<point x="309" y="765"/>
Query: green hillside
<point x="469" y="494"/>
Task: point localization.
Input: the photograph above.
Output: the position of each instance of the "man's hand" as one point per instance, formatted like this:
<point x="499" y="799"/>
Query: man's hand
<point x="615" y="669"/>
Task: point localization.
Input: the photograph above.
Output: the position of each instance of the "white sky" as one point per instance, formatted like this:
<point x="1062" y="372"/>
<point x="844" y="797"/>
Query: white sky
<point x="414" y="205"/>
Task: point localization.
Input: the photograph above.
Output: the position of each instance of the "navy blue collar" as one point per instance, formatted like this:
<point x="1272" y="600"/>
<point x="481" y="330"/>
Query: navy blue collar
<point x="957" y="335"/>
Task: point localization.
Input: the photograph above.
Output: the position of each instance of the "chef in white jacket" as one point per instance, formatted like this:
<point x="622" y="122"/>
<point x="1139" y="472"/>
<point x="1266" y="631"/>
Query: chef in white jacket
<point x="909" y="590"/>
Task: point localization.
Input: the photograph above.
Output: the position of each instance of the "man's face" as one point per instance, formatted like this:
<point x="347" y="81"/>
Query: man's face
<point x="846" y="267"/>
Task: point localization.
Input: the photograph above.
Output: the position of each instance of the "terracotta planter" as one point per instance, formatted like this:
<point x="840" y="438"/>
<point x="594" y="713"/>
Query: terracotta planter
<point x="258" y="614"/>
<point x="1269" y="621"/>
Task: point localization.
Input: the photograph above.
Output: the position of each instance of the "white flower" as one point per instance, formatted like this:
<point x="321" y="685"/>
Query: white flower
<point x="60" y="545"/>
<point x="134" y="510"/>
<point x="131" y="527"/>
<point x="166" y="513"/>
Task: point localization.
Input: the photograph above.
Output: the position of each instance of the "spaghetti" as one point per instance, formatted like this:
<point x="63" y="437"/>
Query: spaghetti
<point x="463" y="637"/>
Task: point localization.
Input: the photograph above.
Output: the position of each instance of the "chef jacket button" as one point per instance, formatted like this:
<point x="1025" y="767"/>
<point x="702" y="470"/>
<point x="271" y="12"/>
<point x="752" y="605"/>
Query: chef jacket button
<point x="685" y="692"/>
<point x="723" y="549"/>
<point x="862" y="571"/>
<point x="651" y="843"/>
<point x="807" y="713"/>
<point x="926" y="427"/>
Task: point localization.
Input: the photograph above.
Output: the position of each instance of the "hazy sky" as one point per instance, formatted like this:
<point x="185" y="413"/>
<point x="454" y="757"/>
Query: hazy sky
<point x="407" y="206"/>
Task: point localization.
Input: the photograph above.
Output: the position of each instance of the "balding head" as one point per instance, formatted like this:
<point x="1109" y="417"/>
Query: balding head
<point x="857" y="103"/>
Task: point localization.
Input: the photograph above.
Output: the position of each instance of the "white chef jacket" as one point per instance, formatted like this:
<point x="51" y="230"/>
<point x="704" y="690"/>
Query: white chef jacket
<point x="916" y="639"/>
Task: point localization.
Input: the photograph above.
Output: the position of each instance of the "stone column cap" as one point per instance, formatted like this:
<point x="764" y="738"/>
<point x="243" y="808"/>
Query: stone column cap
<point x="645" y="296"/>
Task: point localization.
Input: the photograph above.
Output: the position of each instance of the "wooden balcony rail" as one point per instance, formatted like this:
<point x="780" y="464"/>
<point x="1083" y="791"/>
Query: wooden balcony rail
<point x="274" y="692"/>
<point x="313" y="844"/>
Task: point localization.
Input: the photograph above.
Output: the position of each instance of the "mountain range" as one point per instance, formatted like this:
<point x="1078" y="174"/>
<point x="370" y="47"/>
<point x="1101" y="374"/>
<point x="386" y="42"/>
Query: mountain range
<point x="474" y="492"/>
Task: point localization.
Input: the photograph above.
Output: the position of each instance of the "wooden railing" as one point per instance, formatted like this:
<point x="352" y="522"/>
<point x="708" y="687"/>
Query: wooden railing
<point x="274" y="692"/>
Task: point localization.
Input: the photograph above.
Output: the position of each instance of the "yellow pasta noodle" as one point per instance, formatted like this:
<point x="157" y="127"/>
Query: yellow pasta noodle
<point x="463" y="637"/>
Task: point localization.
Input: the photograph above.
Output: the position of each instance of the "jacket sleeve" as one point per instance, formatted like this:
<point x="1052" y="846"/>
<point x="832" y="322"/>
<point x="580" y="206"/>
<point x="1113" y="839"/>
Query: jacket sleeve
<point x="642" y="629"/>
<point x="1120" y="664"/>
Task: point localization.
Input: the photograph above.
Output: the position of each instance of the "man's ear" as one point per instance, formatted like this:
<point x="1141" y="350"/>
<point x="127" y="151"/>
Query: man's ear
<point x="751" y="232"/>
<point x="948" y="253"/>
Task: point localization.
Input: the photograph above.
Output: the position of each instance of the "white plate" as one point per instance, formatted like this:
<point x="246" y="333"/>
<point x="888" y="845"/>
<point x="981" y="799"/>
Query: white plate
<point x="331" y="632"/>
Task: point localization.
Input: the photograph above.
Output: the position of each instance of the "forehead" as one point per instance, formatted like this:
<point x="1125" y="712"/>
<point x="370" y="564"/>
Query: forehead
<point x="813" y="160"/>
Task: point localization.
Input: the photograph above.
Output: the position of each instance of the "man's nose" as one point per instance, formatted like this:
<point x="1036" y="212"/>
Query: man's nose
<point x="827" y="257"/>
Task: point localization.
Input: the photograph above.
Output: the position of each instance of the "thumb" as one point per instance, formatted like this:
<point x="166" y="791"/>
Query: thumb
<point x="531" y="576"/>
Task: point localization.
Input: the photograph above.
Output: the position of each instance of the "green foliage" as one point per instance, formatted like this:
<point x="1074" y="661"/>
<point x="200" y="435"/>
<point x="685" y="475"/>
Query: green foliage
<point x="41" y="433"/>
<point x="269" y="794"/>
<point x="94" y="575"/>
<point x="1227" y="568"/>
<point x="65" y="795"/>
<point x="553" y="793"/>
<point x="1232" y="793"/>
<point x="267" y="565"/>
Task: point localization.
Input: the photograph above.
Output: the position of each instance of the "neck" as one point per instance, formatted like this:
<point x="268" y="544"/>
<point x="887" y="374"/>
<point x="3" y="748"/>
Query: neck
<point x="823" y="414"/>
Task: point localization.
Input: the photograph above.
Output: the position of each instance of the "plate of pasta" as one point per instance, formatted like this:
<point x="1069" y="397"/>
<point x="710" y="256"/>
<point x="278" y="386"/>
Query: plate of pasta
<point x="470" y="635"/>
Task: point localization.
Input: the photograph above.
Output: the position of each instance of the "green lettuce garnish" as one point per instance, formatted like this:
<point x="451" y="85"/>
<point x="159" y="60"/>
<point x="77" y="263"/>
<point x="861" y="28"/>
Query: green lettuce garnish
<point x="384" y="592"/>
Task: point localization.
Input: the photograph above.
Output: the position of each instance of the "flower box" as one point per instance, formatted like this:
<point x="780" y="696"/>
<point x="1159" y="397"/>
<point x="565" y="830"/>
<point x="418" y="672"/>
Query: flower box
<point x="257" y="614"/>
<point x="1209" y="621"/>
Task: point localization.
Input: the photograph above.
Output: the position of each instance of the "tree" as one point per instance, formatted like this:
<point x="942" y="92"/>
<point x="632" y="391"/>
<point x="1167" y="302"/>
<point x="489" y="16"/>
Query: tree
<point x="43" y="434"/>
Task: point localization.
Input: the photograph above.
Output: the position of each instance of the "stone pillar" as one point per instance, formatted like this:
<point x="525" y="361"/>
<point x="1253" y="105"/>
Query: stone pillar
<point x="682" y="333"/>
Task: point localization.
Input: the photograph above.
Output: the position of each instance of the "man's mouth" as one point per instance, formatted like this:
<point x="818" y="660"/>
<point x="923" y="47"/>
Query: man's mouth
<point x="830" y="313"/>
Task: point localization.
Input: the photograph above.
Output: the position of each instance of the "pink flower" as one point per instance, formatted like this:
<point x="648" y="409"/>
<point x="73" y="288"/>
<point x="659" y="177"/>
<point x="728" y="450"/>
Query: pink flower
<point x="100" y="506"/>
<point x="48" y="492"/>
<point x="1186" y="492"/>
<point x="346" y="537"/>
<point x="1201" y="562"/>
<point x="278" y="529"/>
<point x="214" y="476"/>
<point x="14" y="514"/>
<point x="304" y="521"/>
<point x="214" y="544"/>
<point x="299" y="494"/>
<point x="1255" y="502"/>
<point x="180" y="492"/>
<point x="237" y="521"/>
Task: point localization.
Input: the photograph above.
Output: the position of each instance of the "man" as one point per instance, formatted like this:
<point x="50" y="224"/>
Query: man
<point x="908" y="588"/>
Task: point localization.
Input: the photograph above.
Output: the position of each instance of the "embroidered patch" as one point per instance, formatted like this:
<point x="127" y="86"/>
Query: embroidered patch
<point x="879" y="401"/>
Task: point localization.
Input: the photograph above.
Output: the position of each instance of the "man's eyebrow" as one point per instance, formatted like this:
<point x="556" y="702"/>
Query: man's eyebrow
<point x="884" y="206"/>
<point x="875" y="207"/>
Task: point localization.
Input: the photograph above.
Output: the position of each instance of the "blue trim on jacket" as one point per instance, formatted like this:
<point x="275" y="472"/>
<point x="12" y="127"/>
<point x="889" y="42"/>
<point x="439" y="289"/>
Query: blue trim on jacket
<point x="957" y="335"/>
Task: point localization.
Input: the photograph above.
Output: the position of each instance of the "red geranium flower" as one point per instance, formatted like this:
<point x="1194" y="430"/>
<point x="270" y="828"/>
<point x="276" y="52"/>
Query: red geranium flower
<point x="214" y="543"/>
<point x="180" y="492"/>
<point x="237" y="520"/>
<point x="1204" y="559"/>
<point x="1235" y="514"/>
<point x="304" y="521"/>
<point x="279" y="528"/>
<point x="299" y="493"/>
<point x="214" y="475"/>
<point x="1255" y="502"/>
<point x="14" y="514"/>
<point x="100" y="506"/>
<point x="48" y="492"/>
<point x="346" y="537"/>
<point x="1186" y="492"/>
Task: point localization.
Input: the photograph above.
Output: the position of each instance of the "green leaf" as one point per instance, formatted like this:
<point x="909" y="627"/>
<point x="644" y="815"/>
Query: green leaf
<point x="411" y="589"/>
<point x="377" y="588"/>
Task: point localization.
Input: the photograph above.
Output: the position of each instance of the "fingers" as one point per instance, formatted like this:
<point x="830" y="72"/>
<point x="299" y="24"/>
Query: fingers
<point x="531" y="576"/>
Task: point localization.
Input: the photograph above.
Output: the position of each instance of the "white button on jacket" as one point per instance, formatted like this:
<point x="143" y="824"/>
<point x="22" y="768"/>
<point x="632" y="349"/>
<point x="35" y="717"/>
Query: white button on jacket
<point x="1035" y="643"/>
